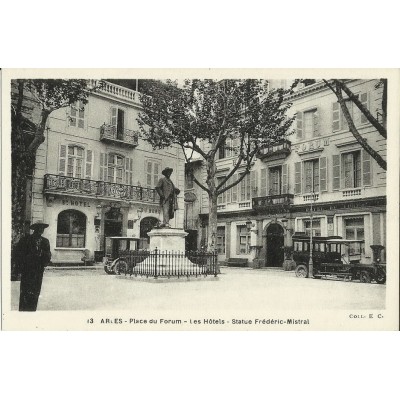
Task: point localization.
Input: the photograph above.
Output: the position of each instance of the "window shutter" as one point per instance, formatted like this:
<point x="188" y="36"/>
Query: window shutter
<point x="81" y="115"/>
<point x="235" y="189"/>
<point x="127" y="180"/>
<point x="297" y="177"/>
<point x="335" y="116"/>
<point x="89" y="163"/>
<point x="366" y="165"/>
<point x="149" y="170"/>
<point x="299" y="118"/>
<point x="103" y="167"/>
<point x="263" y="187"/>
<point x="131" y="170"/>
<point x="322" y="174"/>
<point x="285" y="180"/>
<point x="156" y="174"/>
<point x="364" y="100"/>
<point x="114" y="116"/>
<point x="336" y="171"/>
<point x="316" y="123"/>
<point x="254" y="183"/>
<point x="62" y="159"/>
<point x="72" y="116"/>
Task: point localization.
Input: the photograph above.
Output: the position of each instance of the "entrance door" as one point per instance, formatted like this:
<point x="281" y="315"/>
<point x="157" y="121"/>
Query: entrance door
<point x="112" y="227"/>
<point x="275" y="243"/>
<point x="191" y="240"/>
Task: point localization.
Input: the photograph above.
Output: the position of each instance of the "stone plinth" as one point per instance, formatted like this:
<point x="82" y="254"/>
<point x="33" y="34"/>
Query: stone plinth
<point x="167" y="239"/>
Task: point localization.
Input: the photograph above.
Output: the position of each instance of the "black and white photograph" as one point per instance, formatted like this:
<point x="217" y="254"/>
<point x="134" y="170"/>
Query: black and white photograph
<point x="199" y="200"/>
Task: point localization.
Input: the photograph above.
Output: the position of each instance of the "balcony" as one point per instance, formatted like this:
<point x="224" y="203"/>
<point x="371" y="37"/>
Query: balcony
<point x="277" y="151"/>
<point x="126" y="137"/>
<point x="273" y="204"/>
<point x="58" y="184"/>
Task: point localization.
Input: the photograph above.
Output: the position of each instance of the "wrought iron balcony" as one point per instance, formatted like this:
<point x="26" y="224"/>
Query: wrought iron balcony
<point x="277" y="151"/>
<point x="86" y="187"/>
<point x="125" y="137"/>
<point x="273" y="203"/>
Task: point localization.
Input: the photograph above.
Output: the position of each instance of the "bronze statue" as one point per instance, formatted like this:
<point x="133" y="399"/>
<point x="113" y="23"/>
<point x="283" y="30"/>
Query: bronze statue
<point x="168" y="196"/>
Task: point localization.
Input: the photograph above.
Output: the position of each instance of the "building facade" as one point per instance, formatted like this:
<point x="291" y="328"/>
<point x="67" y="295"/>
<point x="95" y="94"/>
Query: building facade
<point x="319" y="175"/>
<point x="95" y="176"/>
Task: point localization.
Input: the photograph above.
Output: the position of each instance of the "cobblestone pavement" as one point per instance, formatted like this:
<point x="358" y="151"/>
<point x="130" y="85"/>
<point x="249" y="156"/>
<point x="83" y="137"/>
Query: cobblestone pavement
<point x="236" y="289"/>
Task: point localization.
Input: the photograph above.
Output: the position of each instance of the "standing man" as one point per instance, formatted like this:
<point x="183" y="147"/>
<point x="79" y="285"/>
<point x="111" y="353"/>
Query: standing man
<point x="32" y="255"/>
<point x="168" y="196"/>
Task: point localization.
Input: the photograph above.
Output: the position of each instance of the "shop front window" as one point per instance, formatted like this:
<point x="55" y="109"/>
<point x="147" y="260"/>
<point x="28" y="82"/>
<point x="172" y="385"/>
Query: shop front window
<point x="71" y="229"/>
<point x="354" y="230"/>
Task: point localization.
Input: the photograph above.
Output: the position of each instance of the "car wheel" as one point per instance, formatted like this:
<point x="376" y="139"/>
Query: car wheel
<point x="301" y="271"/>
<point x="380" y="277"/>
<point x="121" y="267"/>
<point x="365" y="277"/>
<point x="109" y="269"/>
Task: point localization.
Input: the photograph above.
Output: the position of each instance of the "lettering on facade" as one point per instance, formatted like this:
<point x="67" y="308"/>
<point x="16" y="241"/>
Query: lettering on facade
<point x="77" y="203"/>
<point x="313" y="145"/>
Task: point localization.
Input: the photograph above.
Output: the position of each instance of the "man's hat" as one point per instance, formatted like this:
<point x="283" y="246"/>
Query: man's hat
<point x="165" y="170"/>
<point x="38" y="224"/>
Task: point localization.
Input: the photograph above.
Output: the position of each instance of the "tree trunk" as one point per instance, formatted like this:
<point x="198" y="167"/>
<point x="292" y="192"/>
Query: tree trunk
<point x="212" y="222"/>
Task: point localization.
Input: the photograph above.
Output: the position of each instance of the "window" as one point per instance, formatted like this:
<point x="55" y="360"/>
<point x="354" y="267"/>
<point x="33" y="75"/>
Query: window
<point x="189" y="179"/>
<point x="307" y="124"/>
<point x="115" y="168"/>
<point x="75" y="161"/>
<point x="316" y="226"/>
<point x="354" y="229"/>
<point x="351" y="163"/>
<point x="245" y="188"/>
<point x="311" y="176"/>
<point x="220" y="243"/>
<point x="275" y="181"/>
<point x="77" y="115"/>
<point x="339" y="121"/>
<point x="228" y="148"/>
<point x="243" y="240"/>
<point x="153" y="171"/>
<point x="298" y="246"/>
<point x="118" y="122"/>
<point x="351" y="170"/>
<point x="71" y="229"/>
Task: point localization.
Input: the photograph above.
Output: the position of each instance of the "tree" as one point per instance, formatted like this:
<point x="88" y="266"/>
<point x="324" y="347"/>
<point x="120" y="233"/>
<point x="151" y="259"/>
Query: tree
<point x="204" y="116"/>
<point x="339" y="86"/>
<point x="33" y="100"/>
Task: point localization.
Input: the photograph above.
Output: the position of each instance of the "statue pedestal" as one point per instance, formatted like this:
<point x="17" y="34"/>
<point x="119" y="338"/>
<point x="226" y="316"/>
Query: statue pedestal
<point x="167" y="239"/>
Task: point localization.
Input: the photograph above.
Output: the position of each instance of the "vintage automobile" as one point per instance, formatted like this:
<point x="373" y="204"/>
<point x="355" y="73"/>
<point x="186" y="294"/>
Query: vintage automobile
<point x="116" y="262"/>
<point x="336" y="257"/>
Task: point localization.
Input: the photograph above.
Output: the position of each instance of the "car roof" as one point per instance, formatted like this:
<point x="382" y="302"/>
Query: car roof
<point x="123" y="237"/>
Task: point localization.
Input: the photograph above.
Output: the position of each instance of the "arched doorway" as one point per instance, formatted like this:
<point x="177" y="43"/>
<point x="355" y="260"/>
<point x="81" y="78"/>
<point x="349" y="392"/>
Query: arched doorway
<point x="146" y="225"/>
<point x="112" y="227"/>
<point x="275" y="243"/>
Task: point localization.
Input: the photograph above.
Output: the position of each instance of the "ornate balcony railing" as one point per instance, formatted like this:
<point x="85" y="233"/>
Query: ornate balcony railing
<point x="87" y="187"/>
<point x="351" y="192"/>
<point x="276" y="151"/>
<point x="111" y="89"/>
<point x="110" y="134"/>
<point x="274" y="202"/>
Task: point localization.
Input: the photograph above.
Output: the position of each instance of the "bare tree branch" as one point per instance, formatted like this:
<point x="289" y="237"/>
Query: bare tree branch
<point x="381" y="162"/>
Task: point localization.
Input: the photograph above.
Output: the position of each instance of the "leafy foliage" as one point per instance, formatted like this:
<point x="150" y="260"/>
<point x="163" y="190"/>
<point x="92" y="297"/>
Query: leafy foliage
<point x="206" y="116"/>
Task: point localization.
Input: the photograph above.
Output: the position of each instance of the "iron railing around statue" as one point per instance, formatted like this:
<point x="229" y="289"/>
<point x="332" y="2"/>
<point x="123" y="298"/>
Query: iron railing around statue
<point x="167" y="264"/>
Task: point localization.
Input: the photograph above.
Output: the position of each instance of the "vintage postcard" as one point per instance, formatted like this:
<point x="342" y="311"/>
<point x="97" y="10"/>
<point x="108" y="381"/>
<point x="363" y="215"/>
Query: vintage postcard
<point x="200" y="199"/>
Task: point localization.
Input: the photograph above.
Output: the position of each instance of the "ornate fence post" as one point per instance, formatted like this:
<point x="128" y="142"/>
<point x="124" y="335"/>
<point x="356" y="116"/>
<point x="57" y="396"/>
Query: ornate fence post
<point x="155" y="262"/>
